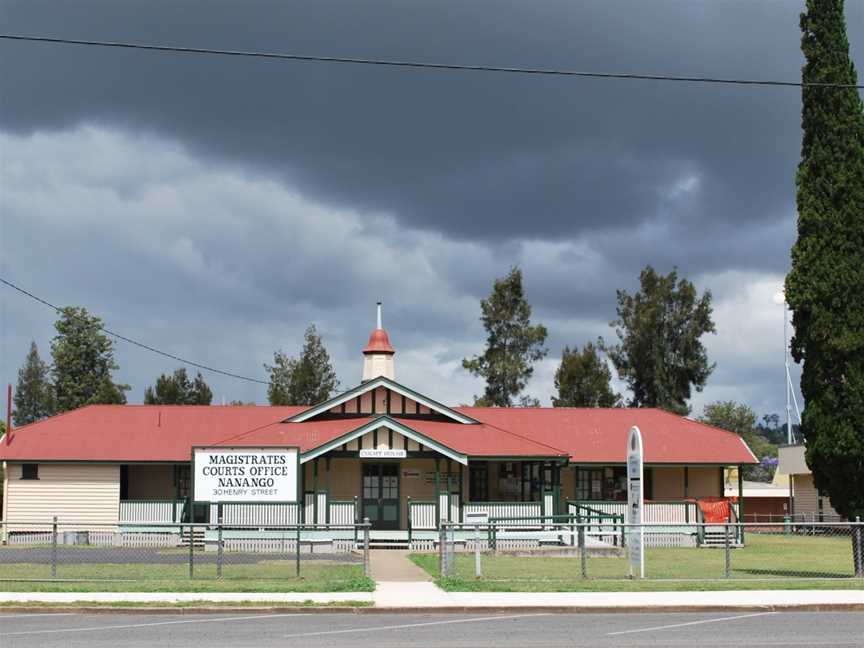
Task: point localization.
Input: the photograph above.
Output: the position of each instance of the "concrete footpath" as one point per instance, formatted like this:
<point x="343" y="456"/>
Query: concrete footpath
<point x="405" y="596"/>
<point x="408" y="596"/>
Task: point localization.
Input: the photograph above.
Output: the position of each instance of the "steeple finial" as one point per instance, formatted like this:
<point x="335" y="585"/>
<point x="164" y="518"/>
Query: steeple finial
<point x="380" y="321"/>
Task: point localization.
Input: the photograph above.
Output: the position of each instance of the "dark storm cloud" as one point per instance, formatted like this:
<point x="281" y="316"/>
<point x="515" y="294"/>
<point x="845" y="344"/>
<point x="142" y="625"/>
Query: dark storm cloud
<point x="416" y="186"/>
<point x="478" y="156"/>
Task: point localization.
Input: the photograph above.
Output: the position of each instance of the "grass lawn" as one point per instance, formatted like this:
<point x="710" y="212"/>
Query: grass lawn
<point x="266" y="576"/>
<point x="185" y="604"/>
<point x="767" y="562"/>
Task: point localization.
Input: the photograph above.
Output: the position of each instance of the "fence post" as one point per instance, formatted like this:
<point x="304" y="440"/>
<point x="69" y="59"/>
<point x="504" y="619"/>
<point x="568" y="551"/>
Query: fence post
<point x="219" y="544"/>
<point x="451" y="551"/>
<point x="477" y="569"/>
<point x="728" y="565"/>
<point x="191" y="550"/>
<point x="859" y="549"/>
<point x="442" y="538"/>
<point x="297" y="551"/>
<point x="409" y="522"/>
<point x="356" y="518"/>
<point x="366" y="527"/>
<point x="583" y="554"/>
<point x="54" y="548"/>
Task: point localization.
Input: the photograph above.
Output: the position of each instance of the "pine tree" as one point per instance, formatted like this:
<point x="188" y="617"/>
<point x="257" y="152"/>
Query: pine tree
<point x="83" y="362"/>
<point x="513" y="344"/>
<point x="34" y="394"/>
<point x="825" y="287"/>
<point x="660" y="355"/>
<point x="583" y="380"/>
<point x="177" y="389"/>
<point x="280" y="373"/>
<point x="307" y="380"/>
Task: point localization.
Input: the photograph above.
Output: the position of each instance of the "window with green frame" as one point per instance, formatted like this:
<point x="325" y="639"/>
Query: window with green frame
<point x="606" y="483"/>
<point x="478" y="482"/>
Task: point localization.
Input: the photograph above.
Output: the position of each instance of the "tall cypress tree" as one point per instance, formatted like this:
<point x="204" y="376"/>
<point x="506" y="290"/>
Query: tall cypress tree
<point x="825" y="287"/>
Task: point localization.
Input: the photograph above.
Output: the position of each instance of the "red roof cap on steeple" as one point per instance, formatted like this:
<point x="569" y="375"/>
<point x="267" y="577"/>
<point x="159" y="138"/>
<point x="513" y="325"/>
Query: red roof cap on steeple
<point x="379" y="341"/>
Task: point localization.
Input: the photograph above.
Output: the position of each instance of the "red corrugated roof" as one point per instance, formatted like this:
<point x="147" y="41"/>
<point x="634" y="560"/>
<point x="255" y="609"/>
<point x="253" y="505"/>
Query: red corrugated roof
<point x="128" y="433"/>
<point x="135" y="432"/>
<point x="600" y="435"/>
<point x="481" y="440"/>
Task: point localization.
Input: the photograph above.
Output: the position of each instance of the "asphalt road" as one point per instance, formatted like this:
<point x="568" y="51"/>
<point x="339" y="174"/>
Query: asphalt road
<point x="450" y="630"/>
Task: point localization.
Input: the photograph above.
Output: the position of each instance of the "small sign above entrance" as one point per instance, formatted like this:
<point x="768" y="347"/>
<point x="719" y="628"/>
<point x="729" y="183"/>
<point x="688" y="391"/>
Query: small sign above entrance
<point x="383" y="454"/>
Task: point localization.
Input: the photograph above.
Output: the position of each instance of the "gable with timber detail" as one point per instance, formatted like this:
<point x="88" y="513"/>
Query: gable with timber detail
<point x="384" y="433"/>
<point x="383" y="438"/>
<point x="381" y="396"/>
<point x="383" y="400"/>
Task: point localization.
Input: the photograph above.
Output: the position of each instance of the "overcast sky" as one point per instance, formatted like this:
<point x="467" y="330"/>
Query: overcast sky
<point x="214" y="206"/>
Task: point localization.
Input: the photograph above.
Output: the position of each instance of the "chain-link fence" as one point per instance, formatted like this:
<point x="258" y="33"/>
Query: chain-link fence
<point x="78" y="551"/>
<point x="809" y="517"/>
<point x="563" y="549"/>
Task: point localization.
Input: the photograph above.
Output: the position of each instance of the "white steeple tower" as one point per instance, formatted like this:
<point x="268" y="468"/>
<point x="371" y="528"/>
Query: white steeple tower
<point x="378" y="354"/>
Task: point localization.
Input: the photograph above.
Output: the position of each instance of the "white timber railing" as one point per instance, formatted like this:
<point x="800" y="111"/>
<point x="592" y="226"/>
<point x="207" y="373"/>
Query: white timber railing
<point x="150" y="511"/>
<point x="503" y="510"/>
<point x="654" y="512"/>
<point x="257" y="514"/>
<point x="449" y="513"/>
<point x="322" y="508"/>
<point x="309" y="507"/>
<point x="422" y="515"/>
<point x="342" y="512"/>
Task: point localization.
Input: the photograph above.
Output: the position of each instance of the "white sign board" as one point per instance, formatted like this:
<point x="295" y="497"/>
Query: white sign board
<point x="477" y="517"/>
<point x="635" y="503"/>
<point x="245" y="474"/>
<point x="383" y="454"/>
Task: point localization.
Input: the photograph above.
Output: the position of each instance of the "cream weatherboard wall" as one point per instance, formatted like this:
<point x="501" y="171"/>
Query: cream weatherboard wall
<point x="705" y="481"/>
<point x="702" y="481"/>
<point x="807" y="499"/>
<point x="80" y="493"/>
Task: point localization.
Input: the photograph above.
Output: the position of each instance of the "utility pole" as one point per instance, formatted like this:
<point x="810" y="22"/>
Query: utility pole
<point x="788" y="375"/>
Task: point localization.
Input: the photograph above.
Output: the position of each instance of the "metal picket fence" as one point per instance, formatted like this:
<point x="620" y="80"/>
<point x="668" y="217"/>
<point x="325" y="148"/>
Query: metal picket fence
<point x="58" y="550"/>
<point x="559" y="548"/>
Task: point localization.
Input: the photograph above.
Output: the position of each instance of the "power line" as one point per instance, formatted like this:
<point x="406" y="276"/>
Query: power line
<point x="146" y="347"/>
<point x="427" y="65"/>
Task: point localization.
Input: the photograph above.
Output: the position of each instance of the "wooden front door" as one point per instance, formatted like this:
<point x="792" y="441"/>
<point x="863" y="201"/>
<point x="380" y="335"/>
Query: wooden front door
<point x="381" y="494"/>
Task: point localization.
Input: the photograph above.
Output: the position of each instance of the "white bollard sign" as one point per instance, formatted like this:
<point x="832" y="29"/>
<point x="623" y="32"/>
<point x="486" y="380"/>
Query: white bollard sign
<point x="245" y="474"/>
<point x="635" y="503"/>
